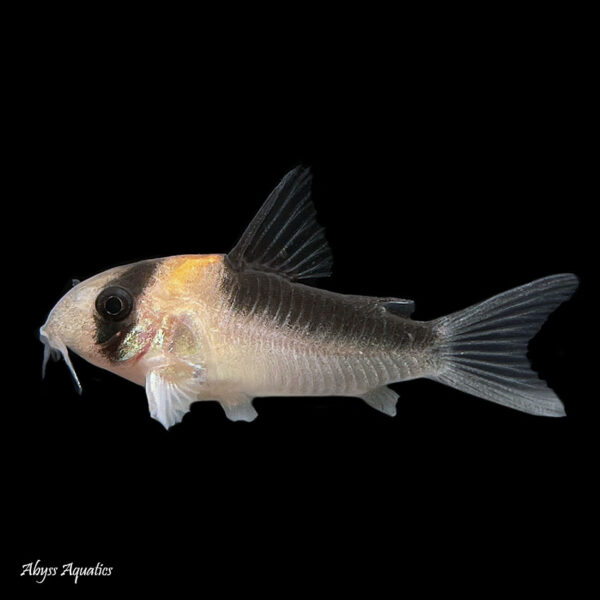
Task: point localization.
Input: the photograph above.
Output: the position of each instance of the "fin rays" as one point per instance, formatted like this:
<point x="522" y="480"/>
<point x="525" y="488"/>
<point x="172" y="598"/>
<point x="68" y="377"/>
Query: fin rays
<point x="284" y="236"/>
<point x="483" y="349"/>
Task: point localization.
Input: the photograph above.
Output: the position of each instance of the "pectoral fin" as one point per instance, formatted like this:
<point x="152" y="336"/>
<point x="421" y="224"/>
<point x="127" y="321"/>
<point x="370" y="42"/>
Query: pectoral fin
<point x="169" y="398"/>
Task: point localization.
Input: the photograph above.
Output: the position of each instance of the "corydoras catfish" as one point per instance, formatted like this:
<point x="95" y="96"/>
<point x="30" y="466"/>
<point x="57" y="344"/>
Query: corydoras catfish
<point x="232" y="327"/>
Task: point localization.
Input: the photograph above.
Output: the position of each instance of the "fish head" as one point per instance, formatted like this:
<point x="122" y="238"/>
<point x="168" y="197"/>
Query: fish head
<point x="99" y="319"/>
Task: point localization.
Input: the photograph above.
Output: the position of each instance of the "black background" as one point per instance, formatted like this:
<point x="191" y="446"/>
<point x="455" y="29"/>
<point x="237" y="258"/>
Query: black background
<point x="445" y="172"/>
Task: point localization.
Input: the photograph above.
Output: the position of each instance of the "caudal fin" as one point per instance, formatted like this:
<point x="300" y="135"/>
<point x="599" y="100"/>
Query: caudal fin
<point x="483" y="349"/>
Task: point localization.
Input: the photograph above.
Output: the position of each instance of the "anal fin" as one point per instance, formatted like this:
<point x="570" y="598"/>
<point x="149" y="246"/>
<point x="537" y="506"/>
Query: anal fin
<point x="383" y="399"/>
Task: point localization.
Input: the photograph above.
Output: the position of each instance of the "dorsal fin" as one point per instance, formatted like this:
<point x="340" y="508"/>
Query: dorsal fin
<point x="284" y="236"/>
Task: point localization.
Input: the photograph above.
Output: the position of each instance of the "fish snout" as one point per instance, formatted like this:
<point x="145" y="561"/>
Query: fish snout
<point x="55" y="348"/>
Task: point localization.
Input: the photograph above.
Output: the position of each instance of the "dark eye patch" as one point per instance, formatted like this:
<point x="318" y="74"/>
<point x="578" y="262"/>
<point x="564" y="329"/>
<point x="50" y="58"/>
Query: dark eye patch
<point x="115" y="312"/>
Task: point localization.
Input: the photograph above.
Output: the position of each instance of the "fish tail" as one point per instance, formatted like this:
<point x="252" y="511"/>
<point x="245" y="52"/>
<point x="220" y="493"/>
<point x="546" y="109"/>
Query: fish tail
<point x="482" y="350"/>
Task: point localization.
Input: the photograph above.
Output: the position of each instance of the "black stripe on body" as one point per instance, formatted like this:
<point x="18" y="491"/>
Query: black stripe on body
<point x="109" y="334"/>
<point x="354" y="322"/>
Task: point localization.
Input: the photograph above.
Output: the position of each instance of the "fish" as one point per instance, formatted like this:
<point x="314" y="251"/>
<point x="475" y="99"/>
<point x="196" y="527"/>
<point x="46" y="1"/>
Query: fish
<point x="246" y="324"/>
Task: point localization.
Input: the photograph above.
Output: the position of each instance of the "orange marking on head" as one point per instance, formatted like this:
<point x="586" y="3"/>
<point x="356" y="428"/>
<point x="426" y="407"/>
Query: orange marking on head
<point x="184" y="270"/>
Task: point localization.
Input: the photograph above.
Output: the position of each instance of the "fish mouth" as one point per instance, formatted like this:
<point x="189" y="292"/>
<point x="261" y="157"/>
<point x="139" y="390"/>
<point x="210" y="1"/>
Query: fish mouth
<point x="55" y="348"/>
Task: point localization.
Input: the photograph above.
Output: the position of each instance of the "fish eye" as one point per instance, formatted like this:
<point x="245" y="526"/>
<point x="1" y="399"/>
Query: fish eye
<point x="114" y="303"/>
